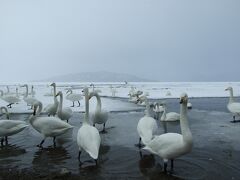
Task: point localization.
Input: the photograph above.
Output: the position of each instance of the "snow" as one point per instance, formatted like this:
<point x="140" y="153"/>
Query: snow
<point x="156" y="90"/>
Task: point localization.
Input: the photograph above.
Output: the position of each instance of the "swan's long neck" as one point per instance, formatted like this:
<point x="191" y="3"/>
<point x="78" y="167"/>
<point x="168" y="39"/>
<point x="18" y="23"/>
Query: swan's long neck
<point x="147" y="107"/>
<point x="99" y="103"/>
<point x="186" y="133"/>
<point x="54" y="94"/>
<point x="17" y="92"/>
<point x="163" y="117"/>
<point x="39" y="110"/>
<point x="231" y="98"/>
<point x="5" y="111"/>
<point x="61" y="103"/>
<point x="86" y="117"/>
<point x="26" y="94"/>
<point x="70" y="91"/>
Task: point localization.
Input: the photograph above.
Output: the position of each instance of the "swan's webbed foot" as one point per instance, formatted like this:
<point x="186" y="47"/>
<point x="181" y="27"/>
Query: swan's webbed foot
<point x="139" y="145"/>
<point x="234" y="120"/>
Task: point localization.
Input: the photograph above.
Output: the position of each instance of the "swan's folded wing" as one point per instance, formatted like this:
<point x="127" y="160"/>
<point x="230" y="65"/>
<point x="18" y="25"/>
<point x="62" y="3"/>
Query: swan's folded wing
<point x="234" y="107"/>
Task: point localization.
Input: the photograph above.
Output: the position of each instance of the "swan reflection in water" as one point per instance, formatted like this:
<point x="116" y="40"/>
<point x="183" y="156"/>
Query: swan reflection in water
<point x="11" y="151"/>
<point x="50" y="156"/>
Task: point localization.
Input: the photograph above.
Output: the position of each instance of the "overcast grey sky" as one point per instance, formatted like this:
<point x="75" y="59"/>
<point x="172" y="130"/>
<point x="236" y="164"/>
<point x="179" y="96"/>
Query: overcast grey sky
<point x="170" y="40"/>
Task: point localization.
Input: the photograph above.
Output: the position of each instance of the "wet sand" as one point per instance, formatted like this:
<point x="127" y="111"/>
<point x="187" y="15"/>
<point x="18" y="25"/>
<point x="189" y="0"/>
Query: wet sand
<point x="215" y="154"/>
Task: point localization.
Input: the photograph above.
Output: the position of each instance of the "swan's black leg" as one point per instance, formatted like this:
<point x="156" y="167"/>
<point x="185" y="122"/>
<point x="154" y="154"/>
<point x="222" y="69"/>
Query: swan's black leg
<point x="165" y="167"/>
<point x="6" y="140"/>
<point x="67" y="120"/>
<point x="73" y="104"/>
<point x="54" y="141"/>
<point x="2" y="140"/>
<point x="79" y="104"/>
<point x="140" y="153"/>
<point x="172" y="164"/>
<point x="103" y="128"/>
<point x="40" y="145"/>
<point x="165" y="127"/>
<point x="93" y="125"/>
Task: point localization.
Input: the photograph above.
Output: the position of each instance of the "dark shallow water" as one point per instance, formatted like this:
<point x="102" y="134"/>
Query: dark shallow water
<point x="215" y="154"/>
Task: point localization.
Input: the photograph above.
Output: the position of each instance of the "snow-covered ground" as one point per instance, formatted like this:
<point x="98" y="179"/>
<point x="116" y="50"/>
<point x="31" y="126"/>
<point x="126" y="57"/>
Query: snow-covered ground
<point x="156" y="90"/>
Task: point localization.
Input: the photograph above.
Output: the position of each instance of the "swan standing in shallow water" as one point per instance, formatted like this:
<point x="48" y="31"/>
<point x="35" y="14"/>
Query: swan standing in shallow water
<point x="173" y="145"/>
<point x="47" y="126"/>
<point x="63" y="113"/>
<point x="51" y="109"/>
<point x="233" y="106"/>
<point x="73" y="97"/>
<point x="10" y="127"/>
<point x="99" y="116"/>
<point x="88" y="137"/>
<point x="29" y="100"/>
<point x="146" y="126"/>
<point x="10" y="99"/>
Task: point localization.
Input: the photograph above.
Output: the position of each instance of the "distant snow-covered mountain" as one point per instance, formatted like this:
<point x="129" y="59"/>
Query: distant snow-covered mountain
<point x="101" y="76"/>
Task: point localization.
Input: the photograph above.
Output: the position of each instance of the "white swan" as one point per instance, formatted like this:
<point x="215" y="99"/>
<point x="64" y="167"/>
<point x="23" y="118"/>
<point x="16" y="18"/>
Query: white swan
<point x="99" y="116"/>
<point x="157" y="109"/>
<point x="171" y="116"/>
<point x="63" y="113"/>
<point x="10" y="127"/>
<point x="47" y="126"/>
<point x="88" y="137"/>
<point x="233" y="107"/>
<point x="73" y="97"/>
<point x="29" y="100"/>
<point x="51" y="109"/>
<point x="10" y="99"/>
<point x="173" y="145"/>
<point x="32" y="91"/>
<point x="146" y="126"/>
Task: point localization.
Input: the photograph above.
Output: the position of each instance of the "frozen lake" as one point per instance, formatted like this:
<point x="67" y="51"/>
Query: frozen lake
<point x="215" y="154"/>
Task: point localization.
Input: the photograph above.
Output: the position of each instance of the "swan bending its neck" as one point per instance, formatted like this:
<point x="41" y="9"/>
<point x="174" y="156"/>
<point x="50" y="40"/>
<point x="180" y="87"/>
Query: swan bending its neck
<point x="4" y="110"/>
<point x="99" y="102"/>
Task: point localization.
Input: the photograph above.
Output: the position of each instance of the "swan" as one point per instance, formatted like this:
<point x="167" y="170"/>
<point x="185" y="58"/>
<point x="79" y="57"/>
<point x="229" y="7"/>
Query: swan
<point x="173" y="145"/>
<point x="32" y="91"/>
<point x="10" y="99"/>
<point x="146" y="126"/>
<point x="171" y="116"/>
<point x="63" y="113"/>
<point x="47" y="126"/>
<point x="10" y="127"/>
<point x="113" y="90"/>
<point x="73" y="97"/>
<point x="99" y="116"/>
<point x="157" y="109"/>
<point x="29" y="100"/>
<point x="88" y="137"/>
<point x="51" y="109"/>
<point x="233" y="107"/>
